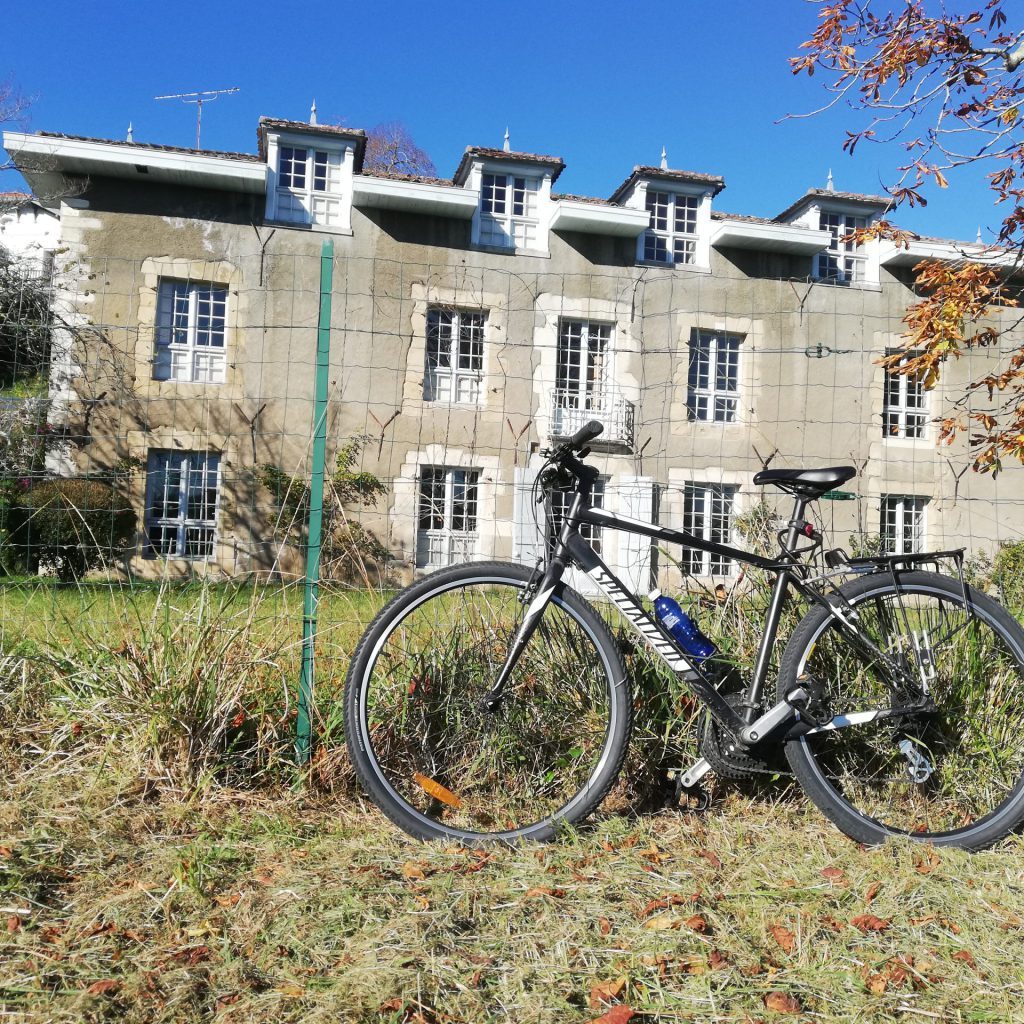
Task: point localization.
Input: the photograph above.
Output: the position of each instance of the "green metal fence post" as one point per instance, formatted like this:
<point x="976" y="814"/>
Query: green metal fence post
<point x="311" y="594"/>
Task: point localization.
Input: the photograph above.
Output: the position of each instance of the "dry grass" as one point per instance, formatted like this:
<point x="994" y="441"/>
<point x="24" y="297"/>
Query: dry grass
<point x="120" y="906"/>
<point x="142" y="880"/>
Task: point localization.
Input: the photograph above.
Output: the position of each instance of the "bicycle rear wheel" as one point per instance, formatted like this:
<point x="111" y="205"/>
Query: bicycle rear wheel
<point x="967" y="752"/>
<point x="436" y="762"/>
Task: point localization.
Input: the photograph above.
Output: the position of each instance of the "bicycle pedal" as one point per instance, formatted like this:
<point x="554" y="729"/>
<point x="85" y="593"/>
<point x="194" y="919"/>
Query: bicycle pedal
<point x="691" y="799"/>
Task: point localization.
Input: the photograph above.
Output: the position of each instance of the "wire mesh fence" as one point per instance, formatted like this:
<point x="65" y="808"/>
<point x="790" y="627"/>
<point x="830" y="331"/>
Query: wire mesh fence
<point x="159" y="414"/>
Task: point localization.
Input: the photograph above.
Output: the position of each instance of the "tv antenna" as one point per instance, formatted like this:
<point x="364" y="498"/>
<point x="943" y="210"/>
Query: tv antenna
<point x="198" y="98"/>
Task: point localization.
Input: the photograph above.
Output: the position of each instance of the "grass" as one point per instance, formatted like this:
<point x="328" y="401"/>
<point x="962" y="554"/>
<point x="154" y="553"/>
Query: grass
<point x="163" y="860"/>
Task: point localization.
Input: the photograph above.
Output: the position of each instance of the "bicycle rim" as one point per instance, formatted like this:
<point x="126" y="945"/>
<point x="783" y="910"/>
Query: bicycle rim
<point x="546" y="755"/>
<point x="969" y="750"/>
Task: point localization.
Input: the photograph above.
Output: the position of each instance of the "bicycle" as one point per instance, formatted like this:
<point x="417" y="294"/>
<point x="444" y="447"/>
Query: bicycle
<point x="490" y="702"/>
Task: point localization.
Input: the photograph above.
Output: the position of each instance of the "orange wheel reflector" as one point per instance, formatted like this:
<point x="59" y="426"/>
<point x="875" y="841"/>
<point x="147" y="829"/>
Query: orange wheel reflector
<point x="437" y="791"/>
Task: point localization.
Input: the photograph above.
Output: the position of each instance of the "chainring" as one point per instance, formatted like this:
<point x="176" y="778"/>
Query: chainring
<point x="715" y="741"/>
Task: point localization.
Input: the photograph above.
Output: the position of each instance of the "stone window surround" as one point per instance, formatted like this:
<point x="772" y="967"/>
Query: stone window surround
<point x="468" y="298"/>
<point x="216" y="272"/>
<point x="673" y="503"/>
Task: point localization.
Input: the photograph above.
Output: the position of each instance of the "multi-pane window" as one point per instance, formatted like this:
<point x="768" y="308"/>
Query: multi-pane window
<point x="713" y="379"/>
<point x="455" y="356"/>
<point x="447" y="516"/>
<point x="844" y="260"/>
<point x="190" y="329"/>
<point x="582" y="377"/>
<point x="903" y="413"/>
<point x="672" y="236"/>
<point x="308" y="185"/>
<point x="560" y="502"/>
<point x="902" y="523"/>
<point x="181" y="503"/>
<point x="708" y="514"/>
<point x="508" y="211"/>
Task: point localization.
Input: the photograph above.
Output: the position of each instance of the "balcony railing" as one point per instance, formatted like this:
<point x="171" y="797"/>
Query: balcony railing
<point x="572" y="409"/>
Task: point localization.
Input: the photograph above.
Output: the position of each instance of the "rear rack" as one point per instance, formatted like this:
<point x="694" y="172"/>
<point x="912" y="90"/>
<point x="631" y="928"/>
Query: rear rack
<point x="879" y="563"/>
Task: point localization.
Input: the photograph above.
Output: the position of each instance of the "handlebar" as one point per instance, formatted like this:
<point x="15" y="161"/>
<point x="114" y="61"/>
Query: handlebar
<point x="586" y="433"/>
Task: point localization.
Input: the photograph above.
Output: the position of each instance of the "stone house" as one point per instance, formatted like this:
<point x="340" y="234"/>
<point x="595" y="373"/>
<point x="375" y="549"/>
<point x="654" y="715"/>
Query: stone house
<point x="475" y="319"/>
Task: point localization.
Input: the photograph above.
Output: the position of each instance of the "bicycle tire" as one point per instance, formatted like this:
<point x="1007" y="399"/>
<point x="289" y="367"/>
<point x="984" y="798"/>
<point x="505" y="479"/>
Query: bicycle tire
<point x="441" y="767"/>
<point x="973" y="742"/>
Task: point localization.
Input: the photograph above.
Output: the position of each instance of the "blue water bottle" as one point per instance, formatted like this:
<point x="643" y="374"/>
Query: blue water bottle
<point x="684" y="630"/>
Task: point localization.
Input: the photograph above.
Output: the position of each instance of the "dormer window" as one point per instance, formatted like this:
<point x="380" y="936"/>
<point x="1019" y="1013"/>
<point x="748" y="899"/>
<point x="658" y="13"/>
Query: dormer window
<point x="508" y="211"/>
<point x="311" y="168"/>
<point x="672" y="236"/>
<point x="309" y="186"/>
<point x="844" y="260"/>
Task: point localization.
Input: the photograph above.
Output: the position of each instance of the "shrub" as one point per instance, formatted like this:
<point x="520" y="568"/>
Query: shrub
<point x="1008" y="574"/>
<point x="71" y="525"/>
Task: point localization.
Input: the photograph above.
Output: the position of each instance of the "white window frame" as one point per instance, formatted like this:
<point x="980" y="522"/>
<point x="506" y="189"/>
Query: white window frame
<point x="185" y="532"/>
<point x="509" y="210"/>
<point x="445" y="544"/>
<point x="673" y="238"/>
<point x="188" y="328"/>
<point x="904" y="404"/>
<point x="454" y="356"/>
<point x="319" y="197"/>
<point x="709" y="399"/>
<point x="583" y="383"/>
<point x="702" y="519"/>
<point x="902" y="523"/>
<point x="845" y="260"/>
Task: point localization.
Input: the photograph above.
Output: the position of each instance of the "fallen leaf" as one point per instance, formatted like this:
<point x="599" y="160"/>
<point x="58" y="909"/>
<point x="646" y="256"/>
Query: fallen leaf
<point x="832" y="924"/>
<point x="876" y="984"/>
<point x="781" y="1002"/>
<point x="604" y="926"/>
<point x="833" y="874"/>
<point x="620" y="1014"/>
<point x="605" y="991"/>
<point x="6" y="851"/>
<point x="228" y="899"/>
<point x="542" y="890"/>
<point x="410" y="869"/>
<point x="228" y="1000"/>
<point x="694" y="964"/>
<point x="966" y="957"/>
<point x="662" y="923"/>
<point x="927" y="863"/>
<point x="711" y="858"/>
<point x="289" y="988"/>
<point x="872" y="892"/>
<point x="783" y="936"/>
<point x="672" y="900"/>
<point x="951" y="925"/>
<point x="869" y="923"/>
<point x="922" y="920"/>
<point x="101" y="988"/>
<point x="716" y="960"/>
<point x="697" y="923"/>
<point x="13" y="923"/>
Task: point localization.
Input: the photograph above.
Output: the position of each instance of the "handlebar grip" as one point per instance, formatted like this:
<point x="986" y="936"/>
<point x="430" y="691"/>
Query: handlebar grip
<point x="586" y="433"/>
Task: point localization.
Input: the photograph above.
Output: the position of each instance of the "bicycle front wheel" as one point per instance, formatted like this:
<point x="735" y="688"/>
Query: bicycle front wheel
<point x="952" y="774"/>
<point x="439" y="764"/>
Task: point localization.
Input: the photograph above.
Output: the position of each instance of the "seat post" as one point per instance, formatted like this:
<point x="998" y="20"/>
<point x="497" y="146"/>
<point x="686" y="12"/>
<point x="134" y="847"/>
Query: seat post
<point x="771" y="622"/>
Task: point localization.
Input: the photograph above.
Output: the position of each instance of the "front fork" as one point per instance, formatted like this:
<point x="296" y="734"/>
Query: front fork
<point x="539" y="596"/>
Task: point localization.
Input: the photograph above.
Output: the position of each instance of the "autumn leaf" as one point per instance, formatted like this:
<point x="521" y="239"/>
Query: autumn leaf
<point x="783" y="936"/>
<point x="782" y="1002"/>
<point x="697" y="923"/>
<point x="604" y="926"/>
<point x="13" y="923"/>
<point x="540" y="891"/>
<point x="620" y="1014"/>
<point x="710" y="857"/>
<point x="966" y="957"/>
<point x="926" y="864"/>
<point x="876" y="984"/>
<point x="662" y="923"/>
<point x="102" y="988"/>
<point x="833" y="874"/>
<point x="869" y="923"/>
<point x="872" y="891"/>
<point x="605" y="991"/>
<point x="717" y="960"/>
<point x="410" y="869"/>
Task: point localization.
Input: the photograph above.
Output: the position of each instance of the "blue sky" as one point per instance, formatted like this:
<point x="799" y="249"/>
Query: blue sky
<point x="602" y="85"/>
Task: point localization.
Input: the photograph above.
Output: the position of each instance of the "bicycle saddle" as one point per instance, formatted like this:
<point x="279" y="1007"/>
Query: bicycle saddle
<point x="808" y="483"/>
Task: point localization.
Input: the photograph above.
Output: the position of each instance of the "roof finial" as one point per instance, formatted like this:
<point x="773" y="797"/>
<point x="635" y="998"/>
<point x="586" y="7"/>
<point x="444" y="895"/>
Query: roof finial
<point x="507" y="147"/>
<point x="312" y="113"/>
<point x="664" y="159"/>
<point x="130" y="137"/>
<point x="978" y="239"/>
<point x="829" y="187"/>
